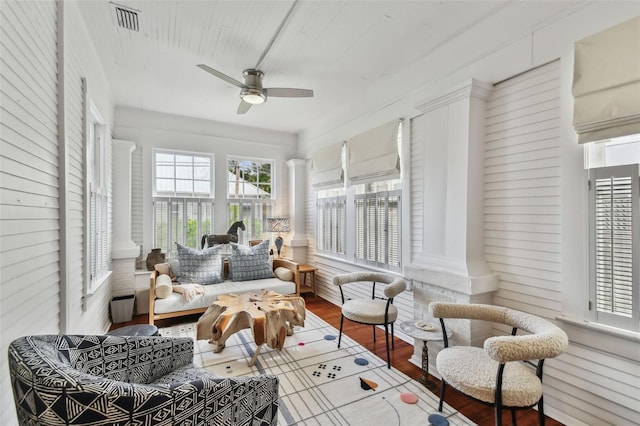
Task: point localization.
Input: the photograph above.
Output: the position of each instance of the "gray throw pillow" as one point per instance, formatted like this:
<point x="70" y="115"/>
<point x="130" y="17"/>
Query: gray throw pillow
<point x="200" y="266"/>
<point x="250" y="263"/>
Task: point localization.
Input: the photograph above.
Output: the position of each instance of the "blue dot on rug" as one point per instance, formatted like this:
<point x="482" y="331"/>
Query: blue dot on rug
<point x="361" y="361"/>
<point x="329" y="337"/>
<point x="438" y="420"/>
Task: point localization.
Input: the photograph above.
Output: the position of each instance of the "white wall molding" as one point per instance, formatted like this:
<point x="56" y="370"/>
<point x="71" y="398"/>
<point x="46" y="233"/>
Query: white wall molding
<point x="123" y="246"/>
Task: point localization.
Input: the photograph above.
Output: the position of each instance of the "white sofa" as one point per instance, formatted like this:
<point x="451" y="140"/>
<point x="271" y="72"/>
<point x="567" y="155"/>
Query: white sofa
<point x="175" y="305"/>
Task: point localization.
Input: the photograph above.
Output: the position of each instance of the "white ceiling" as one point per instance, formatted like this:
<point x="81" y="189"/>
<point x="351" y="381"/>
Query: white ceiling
<point x="337" y="48"/>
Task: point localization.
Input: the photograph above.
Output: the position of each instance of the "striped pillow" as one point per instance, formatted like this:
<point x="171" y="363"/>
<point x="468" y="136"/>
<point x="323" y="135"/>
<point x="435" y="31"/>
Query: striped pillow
<point x="200" y="266"/>
<point x="250" y="263"/>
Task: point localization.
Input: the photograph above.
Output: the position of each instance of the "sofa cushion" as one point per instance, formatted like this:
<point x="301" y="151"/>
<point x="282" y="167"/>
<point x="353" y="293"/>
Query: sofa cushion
<point x="250" y="263"/>
<point x="200" y="266"/>
<point x="164" y="286"/>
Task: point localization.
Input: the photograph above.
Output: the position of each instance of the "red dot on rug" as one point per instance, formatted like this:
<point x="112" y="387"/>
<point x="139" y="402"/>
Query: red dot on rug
<point x="301" y="344"/>
<point x="408" y="397"/>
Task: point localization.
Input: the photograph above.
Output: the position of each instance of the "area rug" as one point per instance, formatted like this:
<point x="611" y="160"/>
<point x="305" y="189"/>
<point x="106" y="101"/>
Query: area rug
<point x="321" y="384"/>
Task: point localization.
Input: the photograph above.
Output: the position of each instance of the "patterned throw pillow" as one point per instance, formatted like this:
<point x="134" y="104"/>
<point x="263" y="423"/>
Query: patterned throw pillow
<point x="200" y="266"/>
<point x="250" y="263"/>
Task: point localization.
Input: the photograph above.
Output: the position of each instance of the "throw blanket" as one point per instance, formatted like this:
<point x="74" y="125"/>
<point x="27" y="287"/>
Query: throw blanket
<point x="189" y="291"/>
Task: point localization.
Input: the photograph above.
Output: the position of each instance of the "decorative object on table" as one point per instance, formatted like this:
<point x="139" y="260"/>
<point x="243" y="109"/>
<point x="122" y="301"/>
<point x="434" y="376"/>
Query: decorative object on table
<point x="154" y="256"/>
<point x="375" y="311"/>
<point x="278" y="224"/>
<point x="425" y="331"/>
<point x="497" y="373"/>
<point x="209" y="240"/>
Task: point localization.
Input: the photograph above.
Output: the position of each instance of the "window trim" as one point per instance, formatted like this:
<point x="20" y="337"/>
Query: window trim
<point x="97" y="271"/>
<point x="272" y="183"/>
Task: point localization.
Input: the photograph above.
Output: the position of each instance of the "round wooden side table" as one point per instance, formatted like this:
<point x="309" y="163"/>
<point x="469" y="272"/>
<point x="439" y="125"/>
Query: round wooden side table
<point x="411" y="329"/>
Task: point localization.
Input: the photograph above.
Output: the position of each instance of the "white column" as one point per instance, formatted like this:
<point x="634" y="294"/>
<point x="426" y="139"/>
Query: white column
<point x="123" y="246"/>
<point x="298" y="235"/>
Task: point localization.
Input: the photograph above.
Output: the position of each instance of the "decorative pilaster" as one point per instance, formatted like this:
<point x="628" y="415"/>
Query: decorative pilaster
<point x="124" y="251"/>
<point x="452" y="266"/>
<point x="298" y="236"/>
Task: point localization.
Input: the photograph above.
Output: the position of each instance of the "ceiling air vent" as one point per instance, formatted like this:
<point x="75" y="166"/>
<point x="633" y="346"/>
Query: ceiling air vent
<point x="126" y="18"/>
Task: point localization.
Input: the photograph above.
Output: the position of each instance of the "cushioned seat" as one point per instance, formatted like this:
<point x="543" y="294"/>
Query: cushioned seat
<point x="378" y="310"/>
<point x="497" y="373"/>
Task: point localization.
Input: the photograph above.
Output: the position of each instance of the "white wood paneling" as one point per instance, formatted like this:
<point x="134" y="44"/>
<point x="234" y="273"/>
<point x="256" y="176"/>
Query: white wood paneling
<point x="417" y="186"/>
<point x="137" y="194"/>
<point x="87" y="314"/>
<point x="523" y="243"/>
<point x="522" y="185"/>
<point x="29" y="200"/>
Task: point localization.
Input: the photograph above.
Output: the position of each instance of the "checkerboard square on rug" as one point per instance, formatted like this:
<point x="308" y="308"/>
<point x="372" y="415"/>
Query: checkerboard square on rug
<point x="319" y="383"/>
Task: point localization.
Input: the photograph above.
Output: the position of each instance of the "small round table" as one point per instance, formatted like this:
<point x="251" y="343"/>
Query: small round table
<point x="135" y="330"/>
<point x="410" y="329"/>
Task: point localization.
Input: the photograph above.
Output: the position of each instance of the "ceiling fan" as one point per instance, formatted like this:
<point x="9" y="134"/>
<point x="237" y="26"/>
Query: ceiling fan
<point x="252" y="92"/>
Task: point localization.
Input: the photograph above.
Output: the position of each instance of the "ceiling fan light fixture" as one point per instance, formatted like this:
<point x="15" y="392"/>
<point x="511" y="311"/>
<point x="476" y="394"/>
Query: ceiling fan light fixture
<point x="253" y="96"/>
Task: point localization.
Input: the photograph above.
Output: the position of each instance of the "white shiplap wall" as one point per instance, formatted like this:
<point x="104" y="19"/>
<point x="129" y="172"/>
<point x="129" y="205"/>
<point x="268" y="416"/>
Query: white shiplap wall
<point x="86" y="314"/>
<point x="137" y="197"/>
<point x="523" y="244"/>
<point x="29" y="187"/>
<point x="417" y="186"/>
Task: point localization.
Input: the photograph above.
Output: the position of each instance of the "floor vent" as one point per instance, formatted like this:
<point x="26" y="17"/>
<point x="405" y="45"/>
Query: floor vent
<point x="126" y="18"/>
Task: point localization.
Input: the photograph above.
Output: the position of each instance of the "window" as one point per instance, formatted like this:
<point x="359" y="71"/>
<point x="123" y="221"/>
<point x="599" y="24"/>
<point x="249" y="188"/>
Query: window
<point x="97" y="182"/>
<point x="250" y="194"/>
<point x="378" y="224"/>
<point x="615" y="232"/>
<point x="331" y="219"/>
<point x="183" y="198"/>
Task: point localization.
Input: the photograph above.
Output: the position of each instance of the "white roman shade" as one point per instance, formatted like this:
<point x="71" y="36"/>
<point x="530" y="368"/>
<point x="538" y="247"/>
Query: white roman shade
<point x="326" y="167"/>
<point x="373" y="155"/>
<point x="606" y="83"/>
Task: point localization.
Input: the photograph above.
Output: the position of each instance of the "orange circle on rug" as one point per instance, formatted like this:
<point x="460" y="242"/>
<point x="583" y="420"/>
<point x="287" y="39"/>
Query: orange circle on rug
<point x="408" y="397"/>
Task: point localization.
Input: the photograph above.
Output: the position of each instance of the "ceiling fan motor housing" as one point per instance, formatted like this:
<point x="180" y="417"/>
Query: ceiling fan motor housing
<point x="253" y="92"/>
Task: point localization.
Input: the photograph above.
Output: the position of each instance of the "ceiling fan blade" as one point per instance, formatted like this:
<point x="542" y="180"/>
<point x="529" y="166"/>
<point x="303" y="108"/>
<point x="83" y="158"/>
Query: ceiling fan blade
<point x="243" y="107"/>
<point x="222" y="76"/>
<point x="284" y="92"/>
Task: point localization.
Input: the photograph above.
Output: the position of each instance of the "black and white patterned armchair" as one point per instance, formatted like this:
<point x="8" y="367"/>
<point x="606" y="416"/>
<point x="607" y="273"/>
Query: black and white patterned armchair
<point x="96" y="380"/>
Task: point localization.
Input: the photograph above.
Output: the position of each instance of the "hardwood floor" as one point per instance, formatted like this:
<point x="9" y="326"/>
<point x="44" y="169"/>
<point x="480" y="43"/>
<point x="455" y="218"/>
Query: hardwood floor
<point x="475" y="411"/>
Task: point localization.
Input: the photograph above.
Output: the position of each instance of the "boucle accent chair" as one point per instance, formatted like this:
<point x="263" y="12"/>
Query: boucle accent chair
<point x="498" y="374"/>
<point x="98" y="380"/>
<point x="375" y="311"/>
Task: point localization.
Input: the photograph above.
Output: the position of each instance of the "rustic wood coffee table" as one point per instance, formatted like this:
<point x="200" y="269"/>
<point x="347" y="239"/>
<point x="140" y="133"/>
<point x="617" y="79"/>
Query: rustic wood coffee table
<point x="270" y="315"/>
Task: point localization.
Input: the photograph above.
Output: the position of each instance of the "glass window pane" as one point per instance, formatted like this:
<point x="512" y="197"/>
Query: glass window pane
<point x="164" y="185"/>
<point x="184" y="186"/>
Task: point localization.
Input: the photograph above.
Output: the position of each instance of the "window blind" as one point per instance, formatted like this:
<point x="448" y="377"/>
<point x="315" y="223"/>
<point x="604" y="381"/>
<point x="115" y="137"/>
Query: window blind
<point x="615" y="223"/>
<point x="373" y="155"/>
<point x="606" y="83"/>
<point x="326" y="167"/>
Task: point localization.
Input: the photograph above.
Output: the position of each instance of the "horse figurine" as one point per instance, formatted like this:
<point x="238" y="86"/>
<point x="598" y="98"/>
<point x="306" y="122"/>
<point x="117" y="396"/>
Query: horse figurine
<point x="230" y="237"/>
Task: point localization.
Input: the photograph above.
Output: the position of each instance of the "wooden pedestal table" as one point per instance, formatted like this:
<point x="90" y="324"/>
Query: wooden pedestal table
<point x="270" y="315"/>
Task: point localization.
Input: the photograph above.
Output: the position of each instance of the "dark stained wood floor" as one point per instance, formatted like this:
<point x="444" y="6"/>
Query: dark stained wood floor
<point x="478" y="413"/>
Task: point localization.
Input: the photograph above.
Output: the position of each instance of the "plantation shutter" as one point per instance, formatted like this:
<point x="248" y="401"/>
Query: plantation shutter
<point x="360" y="228"/>
<point x="340" y="224"/>
<point x="606" y="83"/>
<point x="615" y="229"/>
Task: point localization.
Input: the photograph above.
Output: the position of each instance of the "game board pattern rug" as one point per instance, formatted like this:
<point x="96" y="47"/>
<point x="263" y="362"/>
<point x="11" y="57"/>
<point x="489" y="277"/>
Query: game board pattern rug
<point x="321" y="384"/>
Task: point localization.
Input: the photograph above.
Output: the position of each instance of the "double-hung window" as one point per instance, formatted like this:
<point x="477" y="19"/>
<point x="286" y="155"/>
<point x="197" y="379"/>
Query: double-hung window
<point x="614" y="218"/>
<point x="331" y="222"/>
<point x="183" y="198"/>
<point x="377" y="224"/>
<point x="99" y="202"/>
<point x="250" y="194"/>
